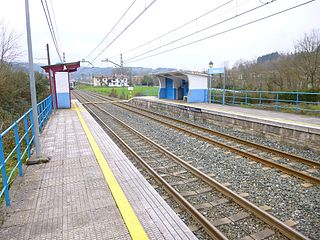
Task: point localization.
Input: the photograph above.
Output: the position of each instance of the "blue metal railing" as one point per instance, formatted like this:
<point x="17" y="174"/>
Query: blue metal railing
<point x="294" y="101"/>
<point x="22" y="131"/>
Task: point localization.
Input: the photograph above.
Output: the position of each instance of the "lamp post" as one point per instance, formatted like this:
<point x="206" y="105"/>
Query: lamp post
<point x="32" y="85"/>
<point x="210" y="81"/>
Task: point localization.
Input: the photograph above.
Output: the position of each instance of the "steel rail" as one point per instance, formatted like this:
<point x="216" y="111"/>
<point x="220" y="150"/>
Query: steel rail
<point x="240" y="152"/>
<point x="290" y="156"/>
<point x="261" y="214"/>
<point x="243" y="153"/>
<point x="309" y="162"/>
<point x="203" y="221"/>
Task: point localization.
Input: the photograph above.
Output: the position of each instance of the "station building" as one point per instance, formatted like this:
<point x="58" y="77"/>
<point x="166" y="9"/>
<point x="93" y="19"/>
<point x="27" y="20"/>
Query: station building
<point x="183" y="85"/>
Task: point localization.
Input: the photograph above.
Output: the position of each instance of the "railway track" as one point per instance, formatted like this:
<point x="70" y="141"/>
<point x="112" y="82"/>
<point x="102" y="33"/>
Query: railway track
<point x="291" y="164"/>
<point x="223" y="213"/>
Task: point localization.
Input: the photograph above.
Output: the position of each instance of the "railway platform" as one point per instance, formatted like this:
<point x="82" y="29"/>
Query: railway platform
<point x="295" y="129"/>
<point x="88" y="190"/>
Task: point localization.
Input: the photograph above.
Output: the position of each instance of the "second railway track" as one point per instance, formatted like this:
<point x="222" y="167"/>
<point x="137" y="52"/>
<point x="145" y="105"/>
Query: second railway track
<point x="288" y="163"/>
<point x="192" y="183"/>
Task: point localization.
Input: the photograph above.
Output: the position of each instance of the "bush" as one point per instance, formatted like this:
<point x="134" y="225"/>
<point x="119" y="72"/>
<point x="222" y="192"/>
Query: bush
<point x="123" y="95"/>
<point x="15" y="93"/>
<point x="138" y="94"/>
<point x="113" y="93"/>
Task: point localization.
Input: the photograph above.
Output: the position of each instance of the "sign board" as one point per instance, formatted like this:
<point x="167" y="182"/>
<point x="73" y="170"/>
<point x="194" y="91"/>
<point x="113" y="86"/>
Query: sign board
<point x="62" y="89"/>
<point x="216" y="70"/>
<point x="62" y="82"/>
<point x="130" y="88"/>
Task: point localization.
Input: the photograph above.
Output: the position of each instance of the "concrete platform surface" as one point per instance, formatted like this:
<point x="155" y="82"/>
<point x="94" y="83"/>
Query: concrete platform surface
<point x="68" y="198"/>
<point x="295" y="120"/>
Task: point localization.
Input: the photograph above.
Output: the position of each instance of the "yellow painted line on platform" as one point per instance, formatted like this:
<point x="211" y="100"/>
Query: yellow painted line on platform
<point x="132" y="222"/>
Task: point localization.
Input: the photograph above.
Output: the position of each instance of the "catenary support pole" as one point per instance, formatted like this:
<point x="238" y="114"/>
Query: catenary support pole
<point x="51" y="80"/>
<point x="32" y="85"/>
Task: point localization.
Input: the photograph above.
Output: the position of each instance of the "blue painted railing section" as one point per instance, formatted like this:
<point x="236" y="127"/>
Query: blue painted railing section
<point x="22" y="131"/>
<point x="294" y="101"/>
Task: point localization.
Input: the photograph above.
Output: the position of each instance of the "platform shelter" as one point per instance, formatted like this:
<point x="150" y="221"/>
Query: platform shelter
<point x="183" y="85"/>
<point x="60" y="82"/>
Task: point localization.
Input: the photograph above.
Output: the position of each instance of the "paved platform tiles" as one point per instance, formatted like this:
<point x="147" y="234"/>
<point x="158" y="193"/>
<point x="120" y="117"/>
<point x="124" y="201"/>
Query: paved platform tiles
<point x="288" y="119"/>
<point x="68" y="198"/>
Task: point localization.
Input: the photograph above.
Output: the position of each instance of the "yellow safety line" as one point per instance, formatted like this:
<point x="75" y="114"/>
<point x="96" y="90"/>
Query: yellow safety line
<point x="132" y="222"/>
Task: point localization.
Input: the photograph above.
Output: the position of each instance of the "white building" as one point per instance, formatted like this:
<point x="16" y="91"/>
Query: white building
<point x="113" y="81"/>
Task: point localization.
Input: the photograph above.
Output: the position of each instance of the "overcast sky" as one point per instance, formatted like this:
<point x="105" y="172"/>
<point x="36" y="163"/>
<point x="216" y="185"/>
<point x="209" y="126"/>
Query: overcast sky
<point x="82" y="24"/>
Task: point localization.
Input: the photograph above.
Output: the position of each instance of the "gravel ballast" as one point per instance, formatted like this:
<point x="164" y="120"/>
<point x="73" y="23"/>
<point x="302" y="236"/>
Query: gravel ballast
<point x="286" y="196"/>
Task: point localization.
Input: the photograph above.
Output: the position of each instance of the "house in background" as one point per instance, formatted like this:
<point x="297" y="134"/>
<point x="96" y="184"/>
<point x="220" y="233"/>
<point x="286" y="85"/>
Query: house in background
<point x="110" y="81"/>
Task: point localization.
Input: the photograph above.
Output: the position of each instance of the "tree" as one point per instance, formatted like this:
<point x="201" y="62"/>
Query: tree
<point x="147" y="80"/>
<point x="9" y="46"/>
<point x="307" y="51"/>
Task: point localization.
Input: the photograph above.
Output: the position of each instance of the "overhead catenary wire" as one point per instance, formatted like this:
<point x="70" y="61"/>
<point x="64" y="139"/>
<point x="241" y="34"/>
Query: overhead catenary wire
<point x="181" y="26"/>
<point x="53" y="31"/>
<point x="201" y="30"/>
<point x="55" y="22"/>
<point x="223" y="32"/>
<point x="105" y="37"/>
<point x="135" y="19"/>
<point x="50" y="25"/>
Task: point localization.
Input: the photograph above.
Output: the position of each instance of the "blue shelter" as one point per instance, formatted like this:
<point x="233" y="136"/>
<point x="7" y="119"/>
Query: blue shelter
<point x="183" y="85"/>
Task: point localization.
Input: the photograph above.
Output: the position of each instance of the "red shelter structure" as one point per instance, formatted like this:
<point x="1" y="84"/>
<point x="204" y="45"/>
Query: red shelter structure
<point x="60" y="82"/>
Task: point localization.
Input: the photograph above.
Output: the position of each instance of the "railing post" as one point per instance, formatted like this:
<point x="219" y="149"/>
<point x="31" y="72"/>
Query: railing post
<point x="246" y="98"/>
<point x="223" y="97"/>
<point x="297" y="103"/>
<point x="45" y="111"/>
<point x="277" y="99"/>
<point x="41" y="115"/>
<point x="233" y="97"/>
<point x="26" y="127"/>
<point x="213" y="96"/>
<point x="17" y="139"/>
<point x="260" y="100"/>
<point x="50" y="104"/>
<point x="4" y="174"/>
<point x="32" y="126"/>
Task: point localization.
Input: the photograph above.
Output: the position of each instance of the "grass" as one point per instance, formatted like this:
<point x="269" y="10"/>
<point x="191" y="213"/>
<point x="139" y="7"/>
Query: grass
<point x="122" y="92"/>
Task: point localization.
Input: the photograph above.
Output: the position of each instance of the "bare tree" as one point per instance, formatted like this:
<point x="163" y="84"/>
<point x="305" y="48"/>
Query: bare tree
<point x="308" y="57"/>
<point x="9" y="45"/>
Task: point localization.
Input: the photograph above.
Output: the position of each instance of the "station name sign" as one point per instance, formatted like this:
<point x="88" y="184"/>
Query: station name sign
<point x="216" y="70"/>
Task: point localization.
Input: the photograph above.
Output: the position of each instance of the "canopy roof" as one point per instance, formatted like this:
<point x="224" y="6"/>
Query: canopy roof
<point x="62" y="67"/>
<point x="179" y="74"/>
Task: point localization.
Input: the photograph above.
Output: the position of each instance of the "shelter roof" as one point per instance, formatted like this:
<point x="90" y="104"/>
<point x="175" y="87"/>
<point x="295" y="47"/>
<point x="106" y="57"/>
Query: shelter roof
<point x="179" y="74"/>
<point x="62" y="67"/>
